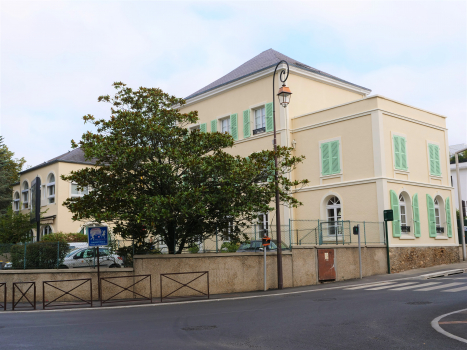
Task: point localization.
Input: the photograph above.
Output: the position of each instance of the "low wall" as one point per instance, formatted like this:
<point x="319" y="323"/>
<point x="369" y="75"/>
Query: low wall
<point x="243" y="272"/>
<point x="403" y="259"/>
<point x="39" y="276"/>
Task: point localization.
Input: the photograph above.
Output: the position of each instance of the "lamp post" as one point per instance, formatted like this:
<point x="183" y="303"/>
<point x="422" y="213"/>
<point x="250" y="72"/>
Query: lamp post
<point x="284" y="99"/>
<point x="459" y="198"/>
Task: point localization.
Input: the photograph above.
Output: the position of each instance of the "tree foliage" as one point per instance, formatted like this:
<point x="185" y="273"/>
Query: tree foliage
<point x="9" y="174"/>
<point x="15" y="227"/>
<point x="462" y="158"/>
<point x="180" y="185"/>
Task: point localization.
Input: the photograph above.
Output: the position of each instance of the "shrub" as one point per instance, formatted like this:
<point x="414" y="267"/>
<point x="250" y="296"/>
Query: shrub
<point x="193" y="249"/>
<point x="230" y="247"/>
<point x="39" y="255"/>
<point x="65" y="237"/>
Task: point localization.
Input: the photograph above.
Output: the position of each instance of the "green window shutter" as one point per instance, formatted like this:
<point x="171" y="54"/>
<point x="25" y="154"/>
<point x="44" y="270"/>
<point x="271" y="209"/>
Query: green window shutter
<point x="396" y="224"/>
<point x="448" y="217"/>
<point x="430" y="205"/>
<point x="437" y="161"/>
<point x="403" y="152"/>
<point x="203" y="127"/>
<point x="214" y="125"/>
<point x="335" y="161"/>
<point x="234" y="126"/>
<point x="325" y="156"/>
<point x="246" y="124"/>
<point x="431" y="152"/>
<point x="416" y="216"/>
<point x="269" y="117"/>
<point x="397" y="152"/>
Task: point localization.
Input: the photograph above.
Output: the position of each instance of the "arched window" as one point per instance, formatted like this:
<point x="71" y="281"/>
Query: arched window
<point x="16" y="201"/>
<point x="25" y="195"/>
<point x="51" y="188"/>
<point x="440" y="215"/>
<point x="46" y="230"/>
<point x="405" y="212"/>
<point x="334" y="215"/>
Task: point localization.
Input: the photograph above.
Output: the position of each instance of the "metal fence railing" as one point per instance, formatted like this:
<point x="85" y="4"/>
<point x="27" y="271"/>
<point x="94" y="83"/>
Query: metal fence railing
<point x="119" y="253"/>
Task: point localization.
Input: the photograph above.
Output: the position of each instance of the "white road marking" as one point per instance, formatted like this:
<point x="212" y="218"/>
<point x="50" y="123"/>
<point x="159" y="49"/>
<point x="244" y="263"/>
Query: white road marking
<point x="390" y="286"/>
<point x="438" y="328"/>
<point x="371" y="285"/>
<point x="417" y="286"/>
<point x="455" y="289"/>
<point x="438" y="287"/>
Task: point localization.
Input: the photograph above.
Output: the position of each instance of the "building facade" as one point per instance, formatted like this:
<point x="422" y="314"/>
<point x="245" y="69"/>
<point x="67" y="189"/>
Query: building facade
<point x="54" y="191"/>
<point x="364" y="154"/>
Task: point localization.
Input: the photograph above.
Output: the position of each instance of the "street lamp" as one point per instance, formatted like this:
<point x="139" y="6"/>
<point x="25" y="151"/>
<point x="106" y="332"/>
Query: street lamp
<point x="284" y="99"/>
<point x="459" y="198"/>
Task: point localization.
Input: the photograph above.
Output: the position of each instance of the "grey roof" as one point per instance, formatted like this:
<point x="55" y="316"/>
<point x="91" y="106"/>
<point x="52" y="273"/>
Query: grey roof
<point x="264" y="60"/>
<point x="74" y="156"/>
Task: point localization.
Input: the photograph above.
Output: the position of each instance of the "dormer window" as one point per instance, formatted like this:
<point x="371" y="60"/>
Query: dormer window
<point x="25" y="195"/>
<point x="51" y="188"/>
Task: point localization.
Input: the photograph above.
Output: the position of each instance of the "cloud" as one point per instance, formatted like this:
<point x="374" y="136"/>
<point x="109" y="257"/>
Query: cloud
<point x="59" y="56"/>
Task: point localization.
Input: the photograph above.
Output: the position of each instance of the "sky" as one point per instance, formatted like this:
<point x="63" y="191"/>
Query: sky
<point x="57" y="57"/>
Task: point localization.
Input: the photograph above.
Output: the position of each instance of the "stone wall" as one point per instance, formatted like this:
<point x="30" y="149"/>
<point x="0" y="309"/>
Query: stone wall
<point x="403" y="259"/>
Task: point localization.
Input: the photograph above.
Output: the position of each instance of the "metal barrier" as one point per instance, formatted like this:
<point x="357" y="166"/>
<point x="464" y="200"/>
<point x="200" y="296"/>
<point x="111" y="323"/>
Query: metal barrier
<point x="84" y="302"/>
<point x="23" y="294"/>
<point x="183" y="285"/>
<point x="4" y="296"/>
<point x="111" y="300"/>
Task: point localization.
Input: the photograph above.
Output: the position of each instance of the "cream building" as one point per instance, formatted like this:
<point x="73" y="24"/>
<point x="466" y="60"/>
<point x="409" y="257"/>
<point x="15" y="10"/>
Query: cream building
<point x="54" y="191"/>
<point x="364" y="154"/>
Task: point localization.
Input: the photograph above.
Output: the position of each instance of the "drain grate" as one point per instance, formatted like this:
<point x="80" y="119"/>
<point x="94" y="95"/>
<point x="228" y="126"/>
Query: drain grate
<point x="419" y="302"/>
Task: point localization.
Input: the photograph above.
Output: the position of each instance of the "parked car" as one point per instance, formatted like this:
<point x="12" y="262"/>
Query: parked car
<point x="85" y="257"/>
<point x="256" y="246"/>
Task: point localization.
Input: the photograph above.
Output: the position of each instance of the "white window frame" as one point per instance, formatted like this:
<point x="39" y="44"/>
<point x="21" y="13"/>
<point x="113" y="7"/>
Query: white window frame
<point x="80" y="192"/>
<point x="25" y="204"/>
<point x="260" y="107"/>
<point x="334" y="208"/>
<point x="219" y="126"/>
<point x="43" y="229"/>
<point x="195" y="127"/>
<point x="399" y="171"/>
<point x="263" y="223"/>
<point x="408" y="214"/>
<point x="341" y="163"/>
<point x="51" y="197"/>
<point x="16" y="201"/>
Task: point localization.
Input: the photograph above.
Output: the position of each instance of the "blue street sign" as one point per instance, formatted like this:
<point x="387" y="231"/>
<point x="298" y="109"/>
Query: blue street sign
<point x="98" y="236"/>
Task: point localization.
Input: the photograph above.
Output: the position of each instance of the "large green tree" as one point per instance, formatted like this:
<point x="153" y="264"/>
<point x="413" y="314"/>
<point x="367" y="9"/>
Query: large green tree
<point x="9" y="174"/>
<point x="181" y="186"/>
<point x="15" y="227"/>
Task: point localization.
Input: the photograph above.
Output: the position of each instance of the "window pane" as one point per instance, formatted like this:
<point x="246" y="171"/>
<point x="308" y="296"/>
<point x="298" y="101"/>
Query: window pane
<point x="52" y="178"/>
<point x="74" y="189"/>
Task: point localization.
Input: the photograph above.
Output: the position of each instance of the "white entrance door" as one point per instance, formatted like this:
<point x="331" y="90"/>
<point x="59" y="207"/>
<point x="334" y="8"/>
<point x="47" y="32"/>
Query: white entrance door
<point x="333" y="209"/>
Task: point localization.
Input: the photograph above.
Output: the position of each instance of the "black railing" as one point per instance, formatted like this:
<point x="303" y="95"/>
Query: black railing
<point x="405" y="228"/>
<point x="112" y="299"/>
<point x="24" y="295"/>
<point x="4" y="296"/>
<point x="68" y="292"/>
<point x="439" y="229"/>
<point x="259" y="131"/>
<point x="184" y="285"/>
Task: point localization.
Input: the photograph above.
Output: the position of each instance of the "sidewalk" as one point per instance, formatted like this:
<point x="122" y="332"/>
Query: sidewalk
<point x="255" y="294"/>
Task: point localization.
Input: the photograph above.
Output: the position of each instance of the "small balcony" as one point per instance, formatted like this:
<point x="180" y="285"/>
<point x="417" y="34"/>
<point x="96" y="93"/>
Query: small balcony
<point x="405" y="229"/>
<point x="259" y="131"/>
<point x="439" y="229"/>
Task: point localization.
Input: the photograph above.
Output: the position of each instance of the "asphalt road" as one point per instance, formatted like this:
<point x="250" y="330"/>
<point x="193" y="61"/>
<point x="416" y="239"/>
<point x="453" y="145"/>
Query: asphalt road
<point x="332" y="316"/>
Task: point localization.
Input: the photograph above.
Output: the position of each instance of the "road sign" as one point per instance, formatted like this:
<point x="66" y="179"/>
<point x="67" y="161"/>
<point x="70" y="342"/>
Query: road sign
<point x="388" y="215"/>
<point x="266" y="241"/>
<point x="98" y="236"/>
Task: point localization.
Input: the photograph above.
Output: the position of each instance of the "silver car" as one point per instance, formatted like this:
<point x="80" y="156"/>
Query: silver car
<point x="86" y="257"/>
